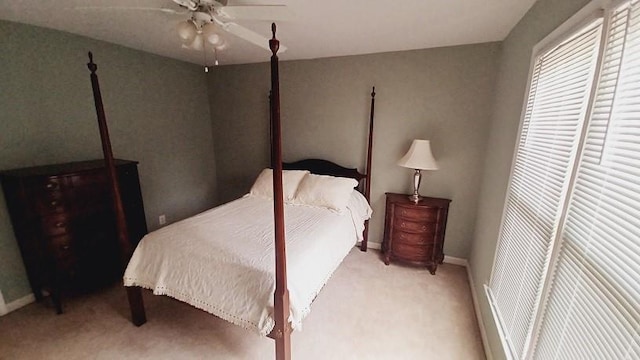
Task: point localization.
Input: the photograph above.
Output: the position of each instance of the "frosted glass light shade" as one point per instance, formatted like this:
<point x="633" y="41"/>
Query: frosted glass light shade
<point x="419" y="156"/>
<point x="223" y="44"/>
<point x="186" y="31"/>
<point x="210" y="33"/>
<point x="198" y="43"/>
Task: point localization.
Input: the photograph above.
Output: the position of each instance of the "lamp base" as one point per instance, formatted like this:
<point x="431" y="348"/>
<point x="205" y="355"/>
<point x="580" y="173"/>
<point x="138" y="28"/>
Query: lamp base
<point x="416" y="185"/>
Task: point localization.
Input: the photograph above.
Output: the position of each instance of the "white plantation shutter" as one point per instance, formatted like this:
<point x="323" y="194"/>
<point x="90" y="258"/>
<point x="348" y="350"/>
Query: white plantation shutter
<point x="554" y="114"/>
<point x="593" y="307"/>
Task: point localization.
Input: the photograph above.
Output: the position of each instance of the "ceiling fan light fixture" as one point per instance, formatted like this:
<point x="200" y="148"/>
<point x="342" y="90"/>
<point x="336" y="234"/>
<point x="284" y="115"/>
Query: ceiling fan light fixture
<point x="198" y="43"/>
<point x="211" y="35"/>
<point x="223" y="44"/>
<point x="187" y="31"/>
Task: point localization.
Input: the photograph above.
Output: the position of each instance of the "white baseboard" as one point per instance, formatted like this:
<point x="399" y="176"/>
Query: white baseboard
<point x="3" y="306"/>
<point x="16" y="304"/>
<point x="476" y="306"/>
<point x="455" y="261"/>
<point x="373" y="245"/>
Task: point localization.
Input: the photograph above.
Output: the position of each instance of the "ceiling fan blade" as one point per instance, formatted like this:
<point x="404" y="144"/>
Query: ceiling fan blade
<point x="188" y="4"/>
<point x="249" y="35"/>
<point x="256" y="12"/>
<point x="135" y="8"/>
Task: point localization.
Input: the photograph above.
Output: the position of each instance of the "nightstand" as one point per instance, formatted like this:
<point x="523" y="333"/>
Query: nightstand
<point x="414" y="233"/>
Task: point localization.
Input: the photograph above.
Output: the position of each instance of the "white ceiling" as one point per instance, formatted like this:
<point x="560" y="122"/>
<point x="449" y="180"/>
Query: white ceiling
<point x="318" y="28"/>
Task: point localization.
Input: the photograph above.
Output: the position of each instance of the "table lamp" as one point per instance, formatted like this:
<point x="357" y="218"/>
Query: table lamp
<point x="419" y="158"/>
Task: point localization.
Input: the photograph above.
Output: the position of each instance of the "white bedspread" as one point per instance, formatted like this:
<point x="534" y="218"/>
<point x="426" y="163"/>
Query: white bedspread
<point x="222" y="260"/>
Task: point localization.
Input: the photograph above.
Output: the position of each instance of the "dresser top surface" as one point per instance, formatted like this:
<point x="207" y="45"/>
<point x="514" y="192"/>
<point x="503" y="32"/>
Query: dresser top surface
<point x="59" y="169"/>
<point x="424" y="200"/>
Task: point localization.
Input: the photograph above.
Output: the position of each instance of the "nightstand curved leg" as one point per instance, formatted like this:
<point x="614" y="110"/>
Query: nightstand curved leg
<point x="432" y="269"/>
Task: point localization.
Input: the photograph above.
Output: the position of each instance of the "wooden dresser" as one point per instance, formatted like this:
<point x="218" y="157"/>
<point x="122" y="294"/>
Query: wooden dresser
<point x="64" y="223"/>
<point x="414" y="233"/>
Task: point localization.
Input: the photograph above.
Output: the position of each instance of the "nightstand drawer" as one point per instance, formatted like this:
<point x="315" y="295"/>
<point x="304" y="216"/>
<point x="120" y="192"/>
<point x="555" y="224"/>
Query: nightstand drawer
<point x="420" y="214"/>
<point x="417" y="253"/>
<point x="407" y="238"/>
<point x="411" y="226"/>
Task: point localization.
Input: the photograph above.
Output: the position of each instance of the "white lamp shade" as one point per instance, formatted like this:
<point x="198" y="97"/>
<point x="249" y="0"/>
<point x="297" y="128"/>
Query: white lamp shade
<point x="187" y="31"/>
<point x="419" y="156"/>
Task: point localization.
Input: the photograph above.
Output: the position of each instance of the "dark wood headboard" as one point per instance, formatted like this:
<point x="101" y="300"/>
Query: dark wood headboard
<point x="326" y="167"/>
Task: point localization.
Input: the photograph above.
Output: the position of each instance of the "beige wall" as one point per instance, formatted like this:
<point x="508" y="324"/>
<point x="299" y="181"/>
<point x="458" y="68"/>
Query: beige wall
<point x="541" y="19"/>
<point x="157" y="110"/>
<point x="442" y="94"/>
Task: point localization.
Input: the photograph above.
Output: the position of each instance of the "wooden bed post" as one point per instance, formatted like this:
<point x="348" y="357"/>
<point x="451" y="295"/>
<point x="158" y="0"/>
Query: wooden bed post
<point x="367" y="189"/>
<point x="134" y="294"/>
<point x="121" y="222"/>
<point x="282" y="329"/>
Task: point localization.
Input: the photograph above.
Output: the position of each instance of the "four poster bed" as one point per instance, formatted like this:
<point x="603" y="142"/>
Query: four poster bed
<point x="221" y="260"/>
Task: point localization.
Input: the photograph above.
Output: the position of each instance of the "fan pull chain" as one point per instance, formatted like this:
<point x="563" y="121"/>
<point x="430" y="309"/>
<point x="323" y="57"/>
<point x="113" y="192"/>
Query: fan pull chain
<point x="204" y="54"/>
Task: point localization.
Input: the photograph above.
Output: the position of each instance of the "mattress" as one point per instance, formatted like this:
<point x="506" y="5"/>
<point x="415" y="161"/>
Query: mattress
<point x="222" y="260"/>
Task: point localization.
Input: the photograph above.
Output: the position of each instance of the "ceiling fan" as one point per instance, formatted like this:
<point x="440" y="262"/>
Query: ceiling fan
<point x="210" y="16"/>
<point x="209" y="19"/>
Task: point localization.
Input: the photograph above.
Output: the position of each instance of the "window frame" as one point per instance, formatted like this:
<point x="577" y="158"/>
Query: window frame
<point x="594" y="10"/>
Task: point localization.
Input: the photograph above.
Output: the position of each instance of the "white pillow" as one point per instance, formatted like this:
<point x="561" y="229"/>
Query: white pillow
<point x="263" y="186"/>
<point x="360" y="211"/>
<point x="325" y="191"/>
<point x="359" y="206"/>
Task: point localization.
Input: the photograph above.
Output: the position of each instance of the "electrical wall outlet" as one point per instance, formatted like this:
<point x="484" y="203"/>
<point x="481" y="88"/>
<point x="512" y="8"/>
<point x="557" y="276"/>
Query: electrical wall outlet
<point x="162" y="219"/>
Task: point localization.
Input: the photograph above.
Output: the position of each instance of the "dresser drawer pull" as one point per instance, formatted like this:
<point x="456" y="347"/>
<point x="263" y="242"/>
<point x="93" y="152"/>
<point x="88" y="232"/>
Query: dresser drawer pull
<point x="60" y="224"/>
<point x="50" y="185"/>
<point x="66" y="247"/>
<point x="54" y="203"/>
<point x="404" y="225"/>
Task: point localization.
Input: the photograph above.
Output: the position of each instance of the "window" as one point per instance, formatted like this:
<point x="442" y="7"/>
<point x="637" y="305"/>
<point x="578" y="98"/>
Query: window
<point x="566" y="279"/>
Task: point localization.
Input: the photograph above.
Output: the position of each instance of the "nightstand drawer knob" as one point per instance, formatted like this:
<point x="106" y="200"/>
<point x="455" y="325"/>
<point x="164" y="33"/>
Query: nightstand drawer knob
<point x="59" y="224"/>
<point x="54" y="203"/>
<point x="66" y="247"/>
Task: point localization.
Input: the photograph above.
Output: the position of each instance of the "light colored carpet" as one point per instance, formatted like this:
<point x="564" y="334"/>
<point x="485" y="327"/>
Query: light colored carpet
<point x="366" y="311"/>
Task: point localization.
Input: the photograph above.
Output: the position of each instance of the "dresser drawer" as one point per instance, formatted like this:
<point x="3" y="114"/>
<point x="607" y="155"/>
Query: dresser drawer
<point x="411" y="226"/>
<point x="45" y="184"/>
<point x="54" y="225"/>
<point x="62" y="252"/>
<point x="420" y="214"/>
<point x="90" y="179"/>
<point x="54" y="203"/>
<point x="416" y="253"/>
<point x="426" y="238"/>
